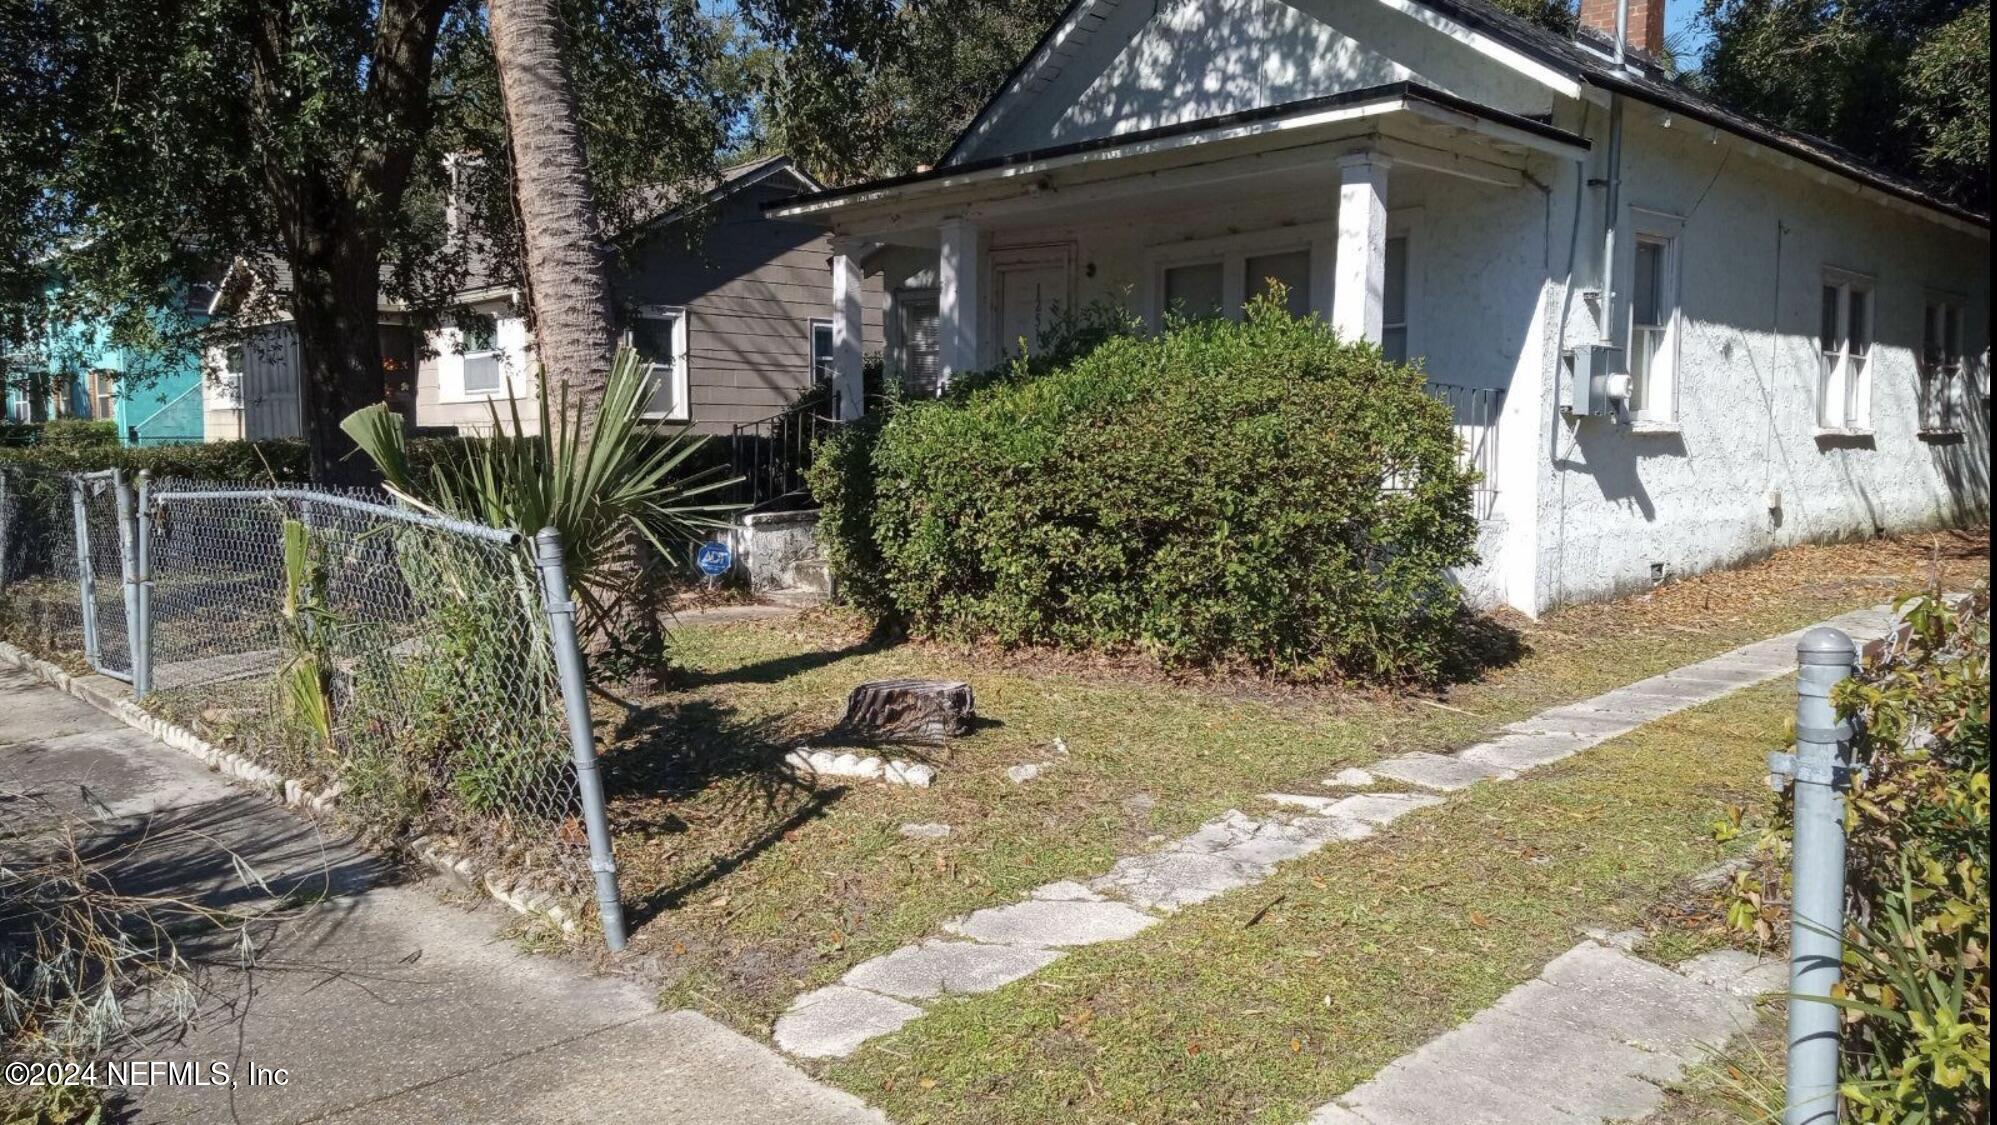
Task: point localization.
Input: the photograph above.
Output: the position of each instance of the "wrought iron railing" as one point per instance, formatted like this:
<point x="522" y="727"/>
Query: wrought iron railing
<point x="772" y="454"/>
<point x="1475" y="411"/>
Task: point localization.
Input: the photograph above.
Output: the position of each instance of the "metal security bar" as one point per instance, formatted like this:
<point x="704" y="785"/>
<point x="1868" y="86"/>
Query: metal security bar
<point x="1475" y="413"/>
<point x="426" y="668"/>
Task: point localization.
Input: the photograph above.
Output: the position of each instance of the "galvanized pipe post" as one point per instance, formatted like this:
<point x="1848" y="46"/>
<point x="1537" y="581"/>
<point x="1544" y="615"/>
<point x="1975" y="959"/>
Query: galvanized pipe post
<point x="582" y="741"/>
<point x="128" y="571"/>
<point x="142" y="544"/>
<point x="86" y="577"/>
<point x="1821" y="769"/>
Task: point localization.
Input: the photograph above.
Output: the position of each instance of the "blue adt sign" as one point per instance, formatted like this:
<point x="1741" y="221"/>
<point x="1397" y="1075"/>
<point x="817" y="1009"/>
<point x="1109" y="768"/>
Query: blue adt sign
<point x="714" y="559"/>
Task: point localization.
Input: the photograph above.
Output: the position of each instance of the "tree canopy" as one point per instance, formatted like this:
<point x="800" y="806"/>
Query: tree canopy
<point x="1904" y="84"/>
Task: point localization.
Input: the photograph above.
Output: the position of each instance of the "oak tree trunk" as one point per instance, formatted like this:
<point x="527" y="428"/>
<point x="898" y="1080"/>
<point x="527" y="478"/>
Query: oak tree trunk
<point x="335" y="311"/>
<point x="567" y="279"/>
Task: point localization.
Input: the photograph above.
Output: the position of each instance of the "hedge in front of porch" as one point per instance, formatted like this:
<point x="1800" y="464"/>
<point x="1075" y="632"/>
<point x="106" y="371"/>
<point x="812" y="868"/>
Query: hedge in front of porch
<point x="1216" y="495"/>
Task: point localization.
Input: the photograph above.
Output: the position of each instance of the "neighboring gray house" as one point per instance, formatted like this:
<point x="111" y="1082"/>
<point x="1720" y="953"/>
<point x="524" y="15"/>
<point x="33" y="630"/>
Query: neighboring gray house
<point x="249" y="386"/>
<point x="1675" y="337"/>
<point x="736" y="328"/>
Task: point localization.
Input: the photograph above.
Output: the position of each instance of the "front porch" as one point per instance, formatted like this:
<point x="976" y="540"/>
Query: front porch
<point x="1399" y="215"/>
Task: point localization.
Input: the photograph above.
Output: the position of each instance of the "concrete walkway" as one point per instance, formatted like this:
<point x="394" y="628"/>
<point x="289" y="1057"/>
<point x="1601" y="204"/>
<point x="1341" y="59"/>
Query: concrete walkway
<point x="1595" y="1037"/>
<point x="382" y="1002"/>
<point x="990" y="948"/>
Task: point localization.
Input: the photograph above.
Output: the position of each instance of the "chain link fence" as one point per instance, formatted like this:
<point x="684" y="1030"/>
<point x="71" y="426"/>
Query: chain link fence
<point x="424" y="667"/>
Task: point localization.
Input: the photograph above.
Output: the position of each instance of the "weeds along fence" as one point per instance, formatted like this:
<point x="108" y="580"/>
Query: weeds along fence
<point x="424" y="668"/>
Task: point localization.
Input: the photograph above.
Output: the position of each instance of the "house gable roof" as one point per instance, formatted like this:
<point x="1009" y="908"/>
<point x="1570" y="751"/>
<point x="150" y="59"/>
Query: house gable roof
<point x="1532" y="53"/>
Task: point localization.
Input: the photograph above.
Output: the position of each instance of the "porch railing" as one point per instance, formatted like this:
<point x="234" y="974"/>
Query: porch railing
<point x="1475" y="411"/>
<point x="772" y="454"/>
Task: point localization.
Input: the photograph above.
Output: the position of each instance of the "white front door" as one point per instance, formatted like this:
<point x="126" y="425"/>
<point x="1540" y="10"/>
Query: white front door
<point x="1033" y="286"/>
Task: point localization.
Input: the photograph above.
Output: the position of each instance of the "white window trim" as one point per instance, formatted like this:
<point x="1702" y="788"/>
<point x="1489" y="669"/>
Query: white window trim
<point x="1846" y="282"/>
<point x="682" y="408"/>
<point x="515" y="381"/>
<point x="1665" y="227"/>
<point x="1962" y="382"/>
<point x="1408" y="223"/>
<point x="223" y="387"/>
<point x="1232" y="253"/>
<point x="811" y="328"/>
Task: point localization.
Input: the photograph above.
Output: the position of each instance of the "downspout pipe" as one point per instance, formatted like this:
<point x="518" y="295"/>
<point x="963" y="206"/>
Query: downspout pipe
<point x="1612" y="205"/>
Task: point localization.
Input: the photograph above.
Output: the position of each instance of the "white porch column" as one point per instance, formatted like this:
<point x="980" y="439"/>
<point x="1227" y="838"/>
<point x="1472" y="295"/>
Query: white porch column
<point x="848" y="383"/>
<point x="959" y="297"/>
<point x="1359" y="286"/>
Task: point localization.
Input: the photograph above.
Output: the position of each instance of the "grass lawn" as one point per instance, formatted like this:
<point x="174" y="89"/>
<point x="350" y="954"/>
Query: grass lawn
<point x="750" y="887"/>
<point x="1360" y="952"/>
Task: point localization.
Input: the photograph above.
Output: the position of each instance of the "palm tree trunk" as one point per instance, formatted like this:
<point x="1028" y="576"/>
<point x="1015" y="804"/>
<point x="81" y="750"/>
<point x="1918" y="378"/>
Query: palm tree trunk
<point x="568" y="286"/>
<point x="567" y="281"/>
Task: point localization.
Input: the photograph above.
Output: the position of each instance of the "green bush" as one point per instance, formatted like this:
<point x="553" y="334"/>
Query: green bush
<point x="79" y="433"/>
<point x="1916" y="981"/>
<point x="1215" y="495"/>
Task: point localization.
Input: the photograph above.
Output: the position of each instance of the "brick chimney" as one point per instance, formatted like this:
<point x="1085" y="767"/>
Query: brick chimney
<point x="1646" y="22"/>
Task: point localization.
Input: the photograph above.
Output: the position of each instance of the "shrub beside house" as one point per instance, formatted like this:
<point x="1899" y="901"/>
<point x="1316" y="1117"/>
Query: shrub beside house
<point x="1251" y="493"/>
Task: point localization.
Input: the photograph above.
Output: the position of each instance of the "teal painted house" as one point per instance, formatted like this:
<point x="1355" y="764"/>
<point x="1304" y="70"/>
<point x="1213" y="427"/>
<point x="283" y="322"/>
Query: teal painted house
<point x="154" y="397"/>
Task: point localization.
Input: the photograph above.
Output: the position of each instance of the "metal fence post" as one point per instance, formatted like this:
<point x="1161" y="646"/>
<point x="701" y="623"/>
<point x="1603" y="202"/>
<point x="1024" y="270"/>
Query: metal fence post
<point x="128" y="570"/>
<point x="1821" y="768"/>
<point x="582" y="741"/>
<point x="86" y="576"/>
<point x="141" y="640"/>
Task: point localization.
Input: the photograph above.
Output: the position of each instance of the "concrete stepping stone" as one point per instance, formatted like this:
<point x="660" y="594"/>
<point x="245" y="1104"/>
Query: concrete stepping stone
<point x="934" y="968"/>
<point x="1051" y="924"/>
<point x="1168" y="880"/>
<point x="1517" y="753"/>
<point x="1437" y="771"/>
<point x="1593" y="1038"/>
<point x="1380" y="809"/>
<point x="833" y="1021"/>
<point x="1351" y="777"/>
<point x="1310" y="801"/>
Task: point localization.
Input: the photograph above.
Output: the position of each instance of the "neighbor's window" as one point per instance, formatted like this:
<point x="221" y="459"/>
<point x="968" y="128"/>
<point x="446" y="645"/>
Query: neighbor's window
<point x="658" y="335"/>
<point x="1941" y="366"/>
<point x="485" y="364"/>
<point x="1653" y="307"/>
<point x="103" y="394"/>
<point x="821" y="351"/>
<point x="1290" y="269"/>
<point x="1844" y="383"/>
<point x="1394" y="301"/>
<point x="1195" y="290"/>
<point x="229" y="379"/>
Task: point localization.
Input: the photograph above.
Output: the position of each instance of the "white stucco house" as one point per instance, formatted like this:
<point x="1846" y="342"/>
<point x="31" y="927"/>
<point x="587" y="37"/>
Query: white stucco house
<point x="1676" y="338"/>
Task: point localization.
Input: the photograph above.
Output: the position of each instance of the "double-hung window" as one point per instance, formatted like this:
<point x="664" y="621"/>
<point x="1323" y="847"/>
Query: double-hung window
<point x="1290" y="269"/>
<point x="1394" y="301"/>
<point x="1941" y="366"/>
<point x="821" y="351"/>
<point x="484" y="361"/>
<point x="658" y="334"/>
<point x="103" y="394"/>
<point x="1844" y="372"/>
<point x="1653" y="318"/>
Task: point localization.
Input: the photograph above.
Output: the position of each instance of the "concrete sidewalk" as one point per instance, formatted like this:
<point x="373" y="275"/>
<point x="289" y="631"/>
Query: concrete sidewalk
<point x="383" y="1002"/>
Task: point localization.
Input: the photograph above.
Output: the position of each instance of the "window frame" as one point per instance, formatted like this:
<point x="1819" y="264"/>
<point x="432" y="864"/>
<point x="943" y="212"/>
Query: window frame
<point x="814" y="373"/>
<point x="1849" y="390"/>
<point x="682" y="410"/>
<point x="514" y="378"/>
<point x="1406" y="224"/>
<point x="103" y="394"/>
<point x="1231" y="253"/>
<point x="1659" y="396"/>
<point x="1951" y="394"/>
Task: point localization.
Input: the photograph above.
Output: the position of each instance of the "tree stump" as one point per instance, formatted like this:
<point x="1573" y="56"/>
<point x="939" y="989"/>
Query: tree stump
<point x="926" y="710"/>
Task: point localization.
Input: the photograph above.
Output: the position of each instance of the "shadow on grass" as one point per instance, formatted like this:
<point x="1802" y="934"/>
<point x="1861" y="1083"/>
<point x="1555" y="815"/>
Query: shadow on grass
<point x="719" y="785"/>
<point x="783" y="668"/>
<point x="1479" y="645"/>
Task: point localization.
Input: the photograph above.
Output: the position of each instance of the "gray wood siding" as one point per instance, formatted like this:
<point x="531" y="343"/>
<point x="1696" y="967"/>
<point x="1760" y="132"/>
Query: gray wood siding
<point x="751" y="289"/>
